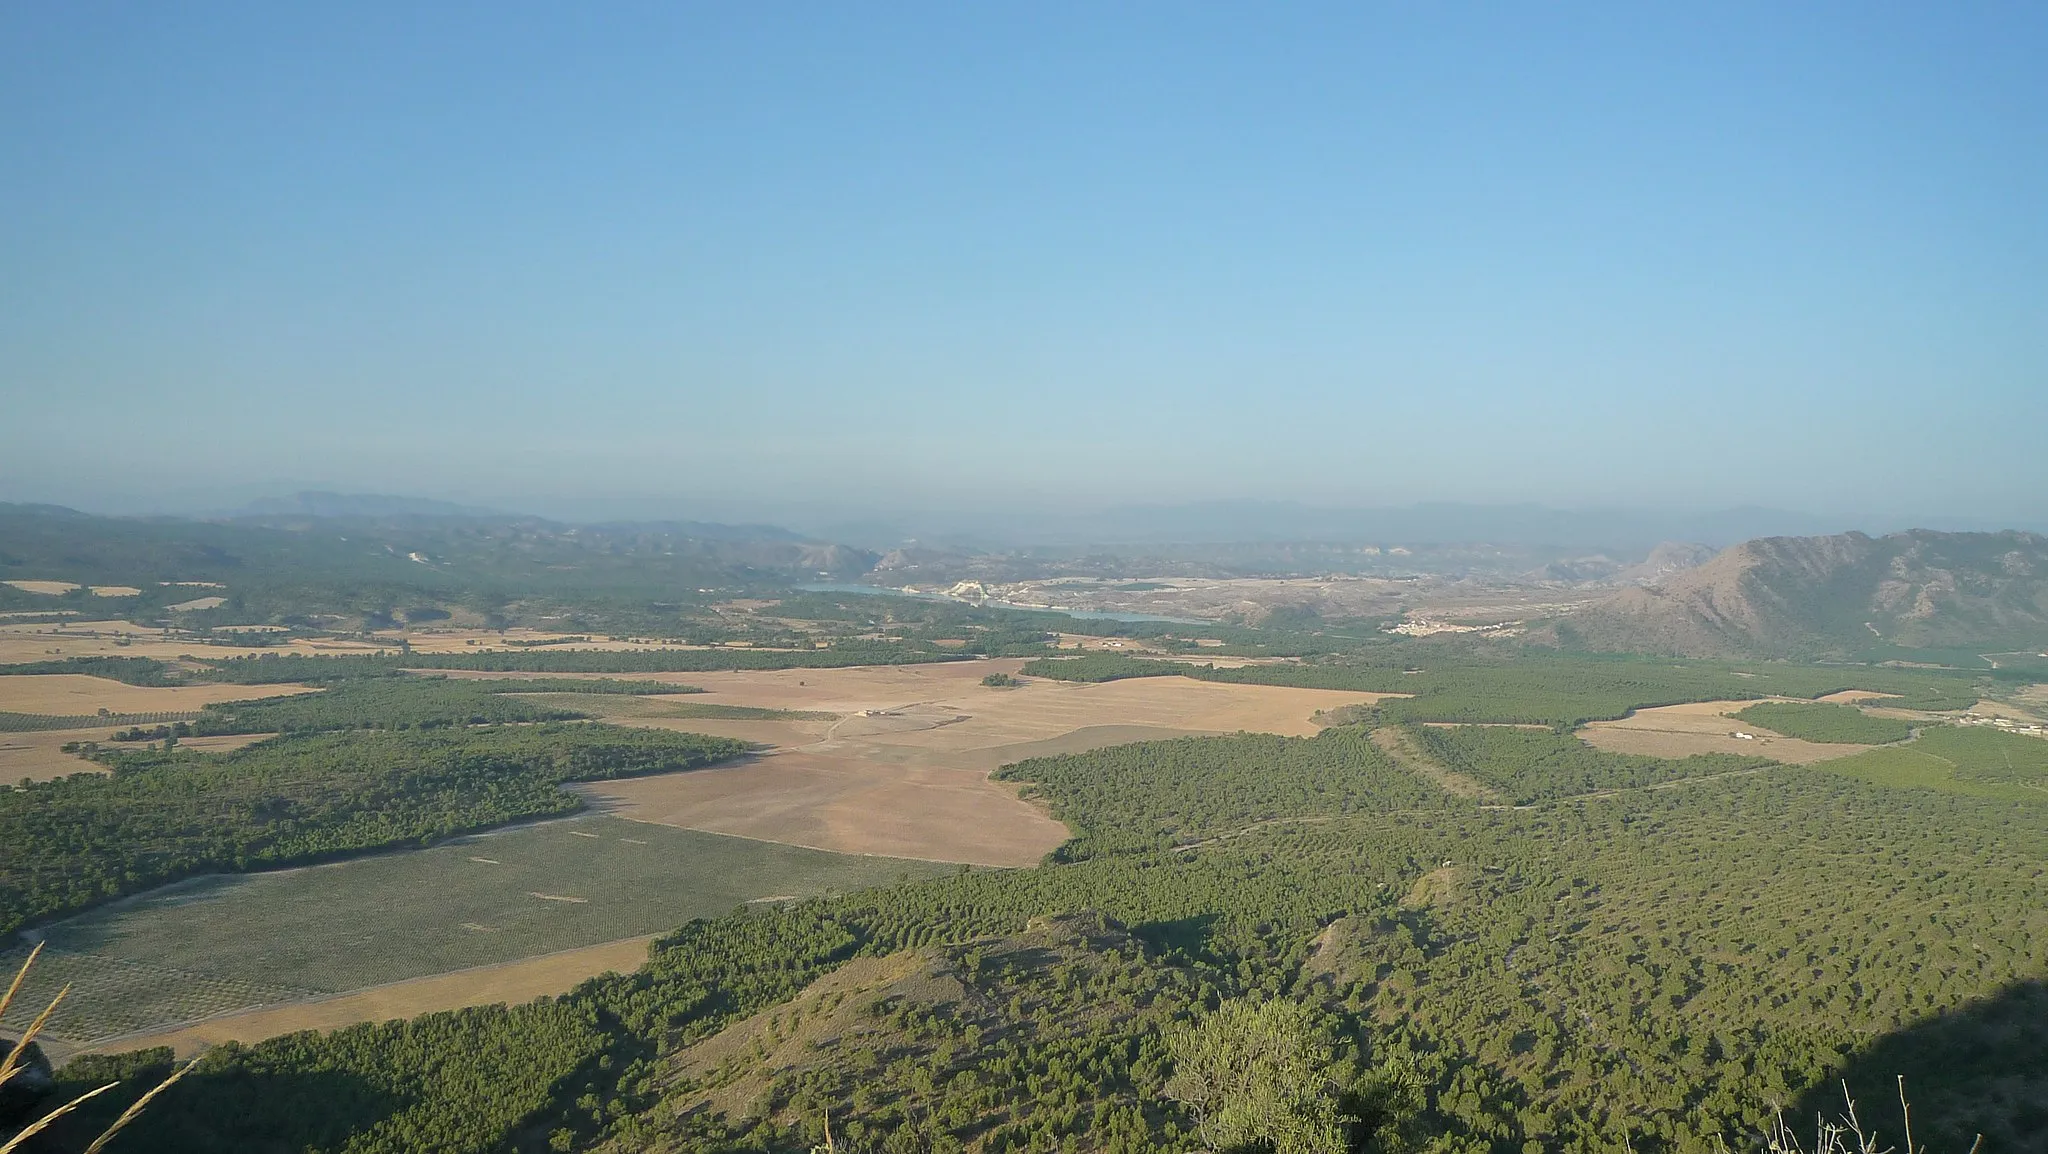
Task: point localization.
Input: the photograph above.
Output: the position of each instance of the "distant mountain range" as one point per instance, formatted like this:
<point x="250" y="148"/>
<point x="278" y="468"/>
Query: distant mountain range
<point x="375" y="538"/>
<point x="1835" y="595"/>
<point x="312" y="503"/>
<point x="1251" y="522"/>
<point x="378" y="508"/>
<point x="1618" y="530"/>
<point x="1848" y="595"/>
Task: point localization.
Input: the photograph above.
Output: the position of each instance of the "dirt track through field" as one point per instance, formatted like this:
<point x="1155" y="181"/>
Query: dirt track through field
<point x="1401" y="748"/>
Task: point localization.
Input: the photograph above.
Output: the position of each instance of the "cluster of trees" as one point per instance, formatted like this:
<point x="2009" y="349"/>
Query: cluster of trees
<point x="164" y="814"/>
<point x="1100" y="667"/>
<point x="137" y="733"/>
<point x="1165" y="793"/>
<point x="1530" y="765"/>
<point x="610" y="686"/>
<point x="543" y="642"/>
<point x="128" y="670"/>
<point x="1034" y="1050"/>
<point x="1825" y="721"/>
<point x="379" y="703"/>
<point x="30" y="722"/>
<point x="455" y="1081"/>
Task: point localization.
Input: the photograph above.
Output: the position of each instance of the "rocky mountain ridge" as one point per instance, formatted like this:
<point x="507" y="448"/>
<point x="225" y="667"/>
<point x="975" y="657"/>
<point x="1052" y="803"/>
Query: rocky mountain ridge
<point x="1834" y="595"/>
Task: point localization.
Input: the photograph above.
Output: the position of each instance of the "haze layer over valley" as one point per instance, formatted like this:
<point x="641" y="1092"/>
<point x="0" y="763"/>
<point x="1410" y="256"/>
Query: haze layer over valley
<point x="1120" y="579"/>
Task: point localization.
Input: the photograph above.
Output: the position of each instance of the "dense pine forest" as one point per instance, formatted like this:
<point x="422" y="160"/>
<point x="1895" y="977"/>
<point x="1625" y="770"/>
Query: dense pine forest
<point x="1599" y="963"/>
<point x="1662" y="967"/>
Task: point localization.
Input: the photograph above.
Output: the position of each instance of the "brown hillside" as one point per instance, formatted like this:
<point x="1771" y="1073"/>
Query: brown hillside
<point x="1803" y="596"/>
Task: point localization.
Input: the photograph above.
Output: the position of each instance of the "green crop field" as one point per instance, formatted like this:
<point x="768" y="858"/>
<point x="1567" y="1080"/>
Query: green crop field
<point x="220" y="943"/>
<point x="1972" y="761"/>
<point x="1824" y="721"/>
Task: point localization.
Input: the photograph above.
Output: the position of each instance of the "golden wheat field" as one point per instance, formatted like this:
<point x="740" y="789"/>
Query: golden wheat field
<point x="46" y="588"/>
<point x="39" y="754"/>
<point x="904" y="771"/>
<point x="76" y="694"/>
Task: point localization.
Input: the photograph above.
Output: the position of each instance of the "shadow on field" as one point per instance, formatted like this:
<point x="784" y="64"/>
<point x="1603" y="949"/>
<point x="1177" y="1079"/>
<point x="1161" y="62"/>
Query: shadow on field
<point x="1981" y="1069"/>
<point x="242" y="1110"/>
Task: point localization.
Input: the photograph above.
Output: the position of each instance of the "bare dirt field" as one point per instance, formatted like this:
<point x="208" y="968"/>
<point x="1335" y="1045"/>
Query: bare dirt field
<point x="59" y="588"/>
<point x="509" y="982"/>
<point x="196" y="604"/>
<point x="47" y="588"/>
<point x="75" y="694"/>
<point x="1039" y="709"/>
<point x="1705" y="727"/>
<point x="904" y="770"/>
<point x="848" y="804"/>
<point x="40" y="756"/>
<point x="2007" y="710"/>
<point x="1852" y="696"/>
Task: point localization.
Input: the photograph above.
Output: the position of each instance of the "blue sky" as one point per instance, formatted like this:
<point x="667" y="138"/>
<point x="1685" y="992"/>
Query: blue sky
<point x="747" y="255"/>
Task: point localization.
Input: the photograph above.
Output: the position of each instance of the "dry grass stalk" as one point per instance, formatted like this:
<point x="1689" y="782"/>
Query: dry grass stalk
<point x="1846" y="1134"/>
<point x="17" y="1059"/>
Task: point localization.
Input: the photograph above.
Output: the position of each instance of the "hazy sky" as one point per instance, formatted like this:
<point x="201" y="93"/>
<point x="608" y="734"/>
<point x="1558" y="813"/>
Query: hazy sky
<point x="1030" y="254"/>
